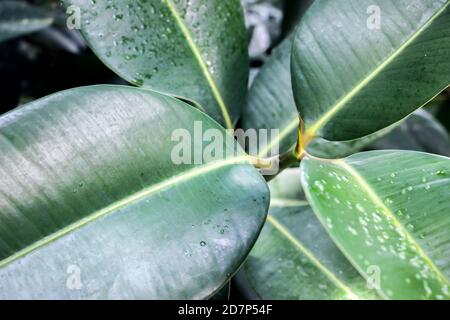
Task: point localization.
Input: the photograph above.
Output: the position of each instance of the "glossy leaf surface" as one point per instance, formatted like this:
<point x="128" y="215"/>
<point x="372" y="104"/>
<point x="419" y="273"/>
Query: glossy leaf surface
<point x="359" y="66"/>
<point x="388" y="213"/>
<point x="294" y="258"/>
<point x="94" y="206"/>
<point x="271" y="106"/>
<point x="420" y="132"/>
<point x="191" y="48"/>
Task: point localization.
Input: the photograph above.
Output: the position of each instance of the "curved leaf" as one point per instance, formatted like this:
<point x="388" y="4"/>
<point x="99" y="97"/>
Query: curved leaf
<point x="294" y="258"/>
<point x="420" y="132"/>
<point x="271" y="105"/>
<point x="196" y="49"/>
<point x="93" y="206"/>
<point x="388" y="212"/>
<point x="338" y="149"/>
<point x="18" y="18"/>
<point x="351" y="78"/>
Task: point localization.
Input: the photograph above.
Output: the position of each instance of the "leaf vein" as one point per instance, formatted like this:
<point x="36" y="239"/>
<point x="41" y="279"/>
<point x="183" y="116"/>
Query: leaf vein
<point x="186" y="176"/>
<point x="216" y="93"/>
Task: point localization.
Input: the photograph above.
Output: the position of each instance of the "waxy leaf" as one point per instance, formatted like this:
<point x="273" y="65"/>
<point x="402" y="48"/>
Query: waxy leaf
<point x="359" y="66"/>
<point x="420" y="132"/>
<point x="270" y="105"/>
<point x="18" y="18"/>
<point x="294" y="258"/>
<point x="92" y="204"/>
<point x="195" y="49"/>
<point x="388" y="213"/>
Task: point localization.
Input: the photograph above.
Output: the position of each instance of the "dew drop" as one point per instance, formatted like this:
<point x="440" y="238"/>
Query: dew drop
<point x="440" y="173"/>
<point x="352" y="231"/>
<point x="360" y="208"/>
<point x="319" y="185"/>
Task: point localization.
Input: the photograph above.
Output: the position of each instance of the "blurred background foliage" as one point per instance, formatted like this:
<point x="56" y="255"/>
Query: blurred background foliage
<point x="56" y="58"/>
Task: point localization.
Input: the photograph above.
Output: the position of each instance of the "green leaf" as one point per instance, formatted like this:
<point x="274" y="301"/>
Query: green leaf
<point x="338" y="149"/>
<point x="294" y="258"/>
<point x="420" y="132"/>
<point x="270" y="105"/>
<point x="388" y="212"/>
<point x="90" y="194"/>
<point x="18" y="18"/>
<point x="350" y="80"/>
<point x="196" y="49"/>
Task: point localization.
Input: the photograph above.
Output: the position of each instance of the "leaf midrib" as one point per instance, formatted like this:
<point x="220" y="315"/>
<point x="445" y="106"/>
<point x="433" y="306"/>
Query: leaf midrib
<point x="288" y="235"/>
<point x="201" y="62"/>
<point x="293" y="125"/>
<point x="180" y="178"/>
<point x="318" y="124"/>
<point x="387" y="212"/>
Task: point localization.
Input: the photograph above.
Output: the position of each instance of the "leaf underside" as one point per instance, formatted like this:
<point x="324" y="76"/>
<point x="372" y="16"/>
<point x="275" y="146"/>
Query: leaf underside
<point x="420" y="132"/>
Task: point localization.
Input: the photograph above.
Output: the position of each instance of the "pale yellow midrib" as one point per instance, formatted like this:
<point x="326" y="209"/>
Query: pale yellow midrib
<point x="391" y="217"/>
<point x="318" y="124"/>
<point x="123" y="203"/>
<point x="203" y="66"/>
<point x="286" y="233"/>
<point x="312" y="131"/>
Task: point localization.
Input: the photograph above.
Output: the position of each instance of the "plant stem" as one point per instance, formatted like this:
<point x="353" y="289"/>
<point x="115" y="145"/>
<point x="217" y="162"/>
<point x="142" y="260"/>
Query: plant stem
<point x="278" y="163"/>
<point x="287" y="159"/>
